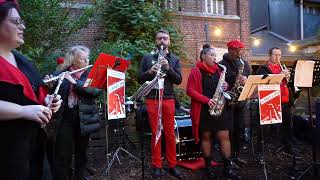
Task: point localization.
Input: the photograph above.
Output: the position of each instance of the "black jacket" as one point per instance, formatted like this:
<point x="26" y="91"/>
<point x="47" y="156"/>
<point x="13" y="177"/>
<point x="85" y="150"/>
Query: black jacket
<point x="264" y="69"/>
<point x="233" y="69"/>
<point x="88" y="109"/>
<point x="173" y="74"/>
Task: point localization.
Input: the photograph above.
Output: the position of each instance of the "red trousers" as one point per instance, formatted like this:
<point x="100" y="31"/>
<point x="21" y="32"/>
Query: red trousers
<point x="168" y="109"/>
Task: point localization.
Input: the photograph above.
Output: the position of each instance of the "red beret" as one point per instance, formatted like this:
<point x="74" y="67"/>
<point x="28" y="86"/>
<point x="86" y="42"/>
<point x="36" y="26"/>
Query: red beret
<point x="235" y="44"/>
<point x="60" y="60"/>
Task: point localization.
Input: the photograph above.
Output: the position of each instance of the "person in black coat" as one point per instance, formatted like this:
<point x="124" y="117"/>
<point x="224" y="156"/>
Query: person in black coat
<point x="77" y="118"/>
<point x="236" y="113"/>
<point x="23" y="103"/>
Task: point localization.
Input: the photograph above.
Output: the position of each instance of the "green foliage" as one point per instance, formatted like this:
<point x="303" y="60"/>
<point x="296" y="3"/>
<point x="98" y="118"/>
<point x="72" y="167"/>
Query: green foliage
<point x="182" y="96"/>
<point x="48" y="27"/>
<point x="130" y="27"/>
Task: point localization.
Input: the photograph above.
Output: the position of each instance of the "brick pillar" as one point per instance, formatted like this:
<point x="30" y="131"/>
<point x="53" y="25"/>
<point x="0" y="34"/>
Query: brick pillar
<point x="245" y="27"/>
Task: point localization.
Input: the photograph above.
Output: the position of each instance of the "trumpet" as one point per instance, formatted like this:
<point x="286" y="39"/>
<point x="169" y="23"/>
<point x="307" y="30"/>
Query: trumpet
<point x="57" y="77"/>
<point x="284" y="68"/>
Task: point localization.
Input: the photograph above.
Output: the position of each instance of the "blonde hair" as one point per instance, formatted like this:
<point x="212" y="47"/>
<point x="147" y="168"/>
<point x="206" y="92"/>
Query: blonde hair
<point x="71" y="54"/>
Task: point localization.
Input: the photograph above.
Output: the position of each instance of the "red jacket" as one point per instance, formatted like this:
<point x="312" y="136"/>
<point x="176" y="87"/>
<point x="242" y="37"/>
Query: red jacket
<point x="194" y="90"/>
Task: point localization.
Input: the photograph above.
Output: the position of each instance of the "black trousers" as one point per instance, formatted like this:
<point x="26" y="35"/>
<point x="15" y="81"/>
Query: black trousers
<point x="68" y="142"/>
<point x="239" y="114"/>
<point x="21" y="151"/>
<point x="286" y="129"/>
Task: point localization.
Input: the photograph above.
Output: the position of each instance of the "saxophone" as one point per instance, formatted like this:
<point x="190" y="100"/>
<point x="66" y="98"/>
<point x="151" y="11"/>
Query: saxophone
<point x="219" y="95"/>
<point x="237" y="88"/>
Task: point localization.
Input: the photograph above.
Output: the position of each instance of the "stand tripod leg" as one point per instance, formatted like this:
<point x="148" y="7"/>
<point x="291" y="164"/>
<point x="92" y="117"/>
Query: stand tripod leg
<point x="263" y="163"/>
<point x="111" y="162"/>
<point x="130" y="154"/>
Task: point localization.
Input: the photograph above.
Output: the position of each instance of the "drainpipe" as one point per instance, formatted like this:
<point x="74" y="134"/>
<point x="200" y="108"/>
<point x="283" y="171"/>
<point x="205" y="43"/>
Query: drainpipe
<point x="301" y="19"/>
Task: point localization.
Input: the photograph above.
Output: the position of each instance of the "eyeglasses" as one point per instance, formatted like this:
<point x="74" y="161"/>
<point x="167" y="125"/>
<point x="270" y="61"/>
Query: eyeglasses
<point x="164" y="38"/>
<point x="17" y="22"/>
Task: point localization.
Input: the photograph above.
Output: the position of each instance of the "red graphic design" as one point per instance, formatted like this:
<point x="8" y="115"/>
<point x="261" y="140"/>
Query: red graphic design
<point x="116" y="94"/>
<point x="270" y="104"/>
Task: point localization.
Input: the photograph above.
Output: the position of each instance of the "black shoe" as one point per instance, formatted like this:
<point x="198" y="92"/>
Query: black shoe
<point x="210" y="172"/>
<point x="91" y="170"/>
<point x="240" y="161"/>
<point x="156" y="172"/>
<point x="228" y="171"/>
<point x="175" y="172"/>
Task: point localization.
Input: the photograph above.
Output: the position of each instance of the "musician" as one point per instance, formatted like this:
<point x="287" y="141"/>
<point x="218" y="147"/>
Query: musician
<point x="273" y="66"/>
<point x="23" y="101"/>
<point x="170" y="65"/>
<point x="201" y="87"/>
<point x="237" y="113"/>
<point x="77" y="118"/>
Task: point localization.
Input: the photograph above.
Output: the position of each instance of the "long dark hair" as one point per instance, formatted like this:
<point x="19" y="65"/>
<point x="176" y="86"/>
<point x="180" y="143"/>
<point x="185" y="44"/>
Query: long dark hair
<point x="205" y="49"/>
<point x="5" y="7"/>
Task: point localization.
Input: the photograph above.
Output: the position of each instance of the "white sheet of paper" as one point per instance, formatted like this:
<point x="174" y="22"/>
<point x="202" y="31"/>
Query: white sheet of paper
<point x="303" y="76"/>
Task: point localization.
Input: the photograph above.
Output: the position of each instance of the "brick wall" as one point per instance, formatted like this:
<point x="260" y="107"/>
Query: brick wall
<point x="191" y="21"/>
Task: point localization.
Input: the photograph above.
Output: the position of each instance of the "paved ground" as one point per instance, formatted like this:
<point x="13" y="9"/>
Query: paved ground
<point x="278" y="165"/>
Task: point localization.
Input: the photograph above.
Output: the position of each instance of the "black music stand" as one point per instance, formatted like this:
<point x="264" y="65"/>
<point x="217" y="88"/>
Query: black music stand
<point x="250" y="91"/>
<point x="98" y="78"/>
<point x="314" y="78"/>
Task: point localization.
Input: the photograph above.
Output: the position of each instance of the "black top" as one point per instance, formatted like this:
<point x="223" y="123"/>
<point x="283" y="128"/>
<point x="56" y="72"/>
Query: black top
<point x="208" y="122"/>
<point x="21" y="139"/>
<point x="233" y="69"/>
<point x="86" y="97"/>
<point x="264" y="69"/>
<point x="173" y="75"/>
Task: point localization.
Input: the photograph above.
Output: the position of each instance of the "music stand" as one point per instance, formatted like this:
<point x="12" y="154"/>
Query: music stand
<point x="143" y="90"/>
<point x="307" y="75"/>
<point x="98" y="78"/>
<point x="250" y="91"/>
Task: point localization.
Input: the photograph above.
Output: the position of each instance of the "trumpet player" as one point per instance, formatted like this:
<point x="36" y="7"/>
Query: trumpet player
<point x="202" y="84"/>
<point x="273" y="66"/>
<point x="238" y="70"/>
<point x="150" y="66"/>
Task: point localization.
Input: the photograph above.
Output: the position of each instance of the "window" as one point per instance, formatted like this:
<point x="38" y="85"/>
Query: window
<point x="311" y="10"/>
<point x="214" y="6"/>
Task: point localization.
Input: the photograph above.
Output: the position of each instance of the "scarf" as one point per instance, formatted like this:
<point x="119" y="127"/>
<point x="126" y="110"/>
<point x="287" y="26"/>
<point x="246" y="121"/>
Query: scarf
<point x="275" y="68"/>
<point x="72" y="96"/>
<point x="208" y="69"/>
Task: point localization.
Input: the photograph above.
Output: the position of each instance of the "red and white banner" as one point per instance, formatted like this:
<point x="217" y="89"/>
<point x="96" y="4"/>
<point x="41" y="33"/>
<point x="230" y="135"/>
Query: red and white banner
<point x="116" y="94"/>
<point x="270" y="104"/>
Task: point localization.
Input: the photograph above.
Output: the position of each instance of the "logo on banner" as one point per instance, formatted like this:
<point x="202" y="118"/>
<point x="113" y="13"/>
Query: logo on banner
<point x="116" y="94"/>
<point x="270" y="104"/>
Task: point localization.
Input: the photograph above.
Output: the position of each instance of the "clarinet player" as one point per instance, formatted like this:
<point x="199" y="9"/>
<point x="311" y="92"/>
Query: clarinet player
<point x="149" y="67"/>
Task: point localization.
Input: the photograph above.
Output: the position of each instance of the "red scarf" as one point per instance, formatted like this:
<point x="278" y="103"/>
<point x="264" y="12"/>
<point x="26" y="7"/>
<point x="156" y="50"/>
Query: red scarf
<point x="11" y="74"/>
<point x="208" y="69"/>
<point x="73" y="97"/>
<point x="276" y="69"/>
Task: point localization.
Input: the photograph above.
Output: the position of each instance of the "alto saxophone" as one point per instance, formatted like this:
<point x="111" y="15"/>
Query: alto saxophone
<point x="220" y="95"/>
<point x="237" y="88"/>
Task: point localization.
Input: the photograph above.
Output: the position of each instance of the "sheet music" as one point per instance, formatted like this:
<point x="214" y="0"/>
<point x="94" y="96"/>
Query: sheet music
<point x="304" y="73"/>
<point x="250" y="89"/>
